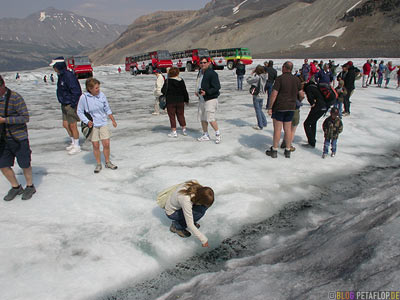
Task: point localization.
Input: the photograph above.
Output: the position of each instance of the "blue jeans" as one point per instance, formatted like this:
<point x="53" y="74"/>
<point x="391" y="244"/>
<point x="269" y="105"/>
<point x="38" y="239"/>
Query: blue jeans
<point x="240" y="82"/>
<point x="178" y="218"/>
<point x="327" y="143"/>
<point x="269" y="91"/>
<point x="339" y="106"/>
<point x="258" y="106"/>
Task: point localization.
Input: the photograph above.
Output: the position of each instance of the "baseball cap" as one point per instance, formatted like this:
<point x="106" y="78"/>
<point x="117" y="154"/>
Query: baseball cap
<point x="56" y="60"/>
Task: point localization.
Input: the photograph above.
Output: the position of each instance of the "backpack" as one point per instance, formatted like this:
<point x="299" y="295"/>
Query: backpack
<point x="330" y="95"/>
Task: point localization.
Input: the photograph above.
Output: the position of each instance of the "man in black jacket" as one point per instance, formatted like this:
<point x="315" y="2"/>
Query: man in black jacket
<point x="240" y="71"/>
<point x="207" y="89"/>
<point x="272" y="74"/>
<point x="350" y="76"/>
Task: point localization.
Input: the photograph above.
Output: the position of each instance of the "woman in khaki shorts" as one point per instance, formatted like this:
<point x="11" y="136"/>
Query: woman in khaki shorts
<point x="95" y="103"/>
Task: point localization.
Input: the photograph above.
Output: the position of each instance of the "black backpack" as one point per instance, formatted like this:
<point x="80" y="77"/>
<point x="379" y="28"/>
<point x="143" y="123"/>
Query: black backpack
<point x="330" y="95"/>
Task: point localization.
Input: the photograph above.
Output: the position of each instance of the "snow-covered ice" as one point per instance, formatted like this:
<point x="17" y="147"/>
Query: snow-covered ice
<point x="82" y="234"/>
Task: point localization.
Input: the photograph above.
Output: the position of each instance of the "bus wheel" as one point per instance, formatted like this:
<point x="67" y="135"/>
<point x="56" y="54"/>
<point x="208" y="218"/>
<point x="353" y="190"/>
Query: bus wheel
<point x="189" y="67"/>
<point x="150" y="70"/>
<point x="132" y="71"/>
<point x="230" y="65"/>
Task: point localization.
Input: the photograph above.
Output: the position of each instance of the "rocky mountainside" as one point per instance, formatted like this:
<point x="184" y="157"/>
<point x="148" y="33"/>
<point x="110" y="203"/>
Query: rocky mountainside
<point x="270" y="28"/>
<point x="30" y="42"/>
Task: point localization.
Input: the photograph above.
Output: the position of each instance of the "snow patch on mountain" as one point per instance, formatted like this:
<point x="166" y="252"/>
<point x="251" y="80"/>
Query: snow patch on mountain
<point x="353" y="7"/>
<point x="236" y="8"/>
<point x="42" y="16"/>
<point x="336" y="33"/>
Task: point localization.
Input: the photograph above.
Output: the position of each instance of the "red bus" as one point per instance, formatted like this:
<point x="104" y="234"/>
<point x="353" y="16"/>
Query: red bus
<point x="188" y="59"/>
<point x="80" y="65"/>
<point x="148" y="62"/>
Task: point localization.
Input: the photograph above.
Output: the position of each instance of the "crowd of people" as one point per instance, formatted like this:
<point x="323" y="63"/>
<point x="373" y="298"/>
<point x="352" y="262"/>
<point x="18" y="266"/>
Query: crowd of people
<point x="186" y="203"/>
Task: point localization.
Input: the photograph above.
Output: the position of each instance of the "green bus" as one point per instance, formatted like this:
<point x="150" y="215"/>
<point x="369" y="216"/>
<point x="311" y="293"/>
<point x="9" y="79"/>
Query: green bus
<point x="233" y="56"/>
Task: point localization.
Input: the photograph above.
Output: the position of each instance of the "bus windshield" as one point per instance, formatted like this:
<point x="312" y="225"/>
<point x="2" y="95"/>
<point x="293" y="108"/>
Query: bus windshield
<point x="81" y="60"/>
<point x="203" y="52"/>
<point x="163" y="55"/>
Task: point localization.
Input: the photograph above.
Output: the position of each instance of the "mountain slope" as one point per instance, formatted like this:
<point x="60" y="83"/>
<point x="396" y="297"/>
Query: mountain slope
<point x="272" y="28"/>
<point x="49" y="32"/>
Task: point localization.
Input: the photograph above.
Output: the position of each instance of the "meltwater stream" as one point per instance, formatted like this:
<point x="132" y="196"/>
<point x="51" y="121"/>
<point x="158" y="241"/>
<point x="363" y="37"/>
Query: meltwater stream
<point x="345" y="238"/>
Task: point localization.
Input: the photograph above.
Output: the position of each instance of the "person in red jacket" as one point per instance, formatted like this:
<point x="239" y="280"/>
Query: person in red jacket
<point x="313" y="70"/>
<point x="398" y="77"/>
<point x="366" y="73"/>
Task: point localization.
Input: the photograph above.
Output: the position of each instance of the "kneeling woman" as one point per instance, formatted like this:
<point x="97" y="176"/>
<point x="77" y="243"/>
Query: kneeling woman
<point x="186" y="206"/>
<point x="95" y="103"/>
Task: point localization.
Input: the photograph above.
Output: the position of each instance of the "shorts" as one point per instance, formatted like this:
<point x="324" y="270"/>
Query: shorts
<point x="100" y="133"/>
<point x="69" y="114"/>
<point x="296" y="118"/>
<point x="283" y="116"/>
<point x="19" y="150"/>
<point x="208" y="109"/>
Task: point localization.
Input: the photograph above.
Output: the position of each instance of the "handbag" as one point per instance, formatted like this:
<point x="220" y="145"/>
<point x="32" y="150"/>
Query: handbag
<point x="86" y="130"/>
<point x="255" y="89"/>
<point x="162" y="100"/>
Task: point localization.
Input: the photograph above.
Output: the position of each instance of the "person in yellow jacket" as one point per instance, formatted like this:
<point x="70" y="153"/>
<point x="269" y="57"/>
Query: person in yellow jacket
<point x="185" y="206"/>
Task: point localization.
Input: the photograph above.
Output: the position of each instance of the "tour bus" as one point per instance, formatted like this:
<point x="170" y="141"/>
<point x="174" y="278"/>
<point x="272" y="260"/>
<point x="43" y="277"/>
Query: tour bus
<point x="234" y="55"/>
<point x="188" y="59"/>
<point x="218" y="61"/>
<point x="80" y="66"/>
<point x="148" y="62"/>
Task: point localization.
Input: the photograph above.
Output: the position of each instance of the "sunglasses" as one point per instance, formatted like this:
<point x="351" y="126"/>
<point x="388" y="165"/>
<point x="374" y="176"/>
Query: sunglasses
<point x="203" y="62"/>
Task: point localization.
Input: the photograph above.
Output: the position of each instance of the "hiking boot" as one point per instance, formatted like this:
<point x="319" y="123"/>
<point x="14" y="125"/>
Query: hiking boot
<point x="74" y="150"/>
<point x="333" y="154"/>
<point x="173" y="134"/>
<point x="283" y="145"/>
<point x="184" y="132"/>
<point x="98" y="168"/>
<point x="182" y="233"/>
<point x="287" y="153"/>
<point x="292" y="148"/>
<point x="28" y="192"/>
<point x="205" y="137"/>
<point x="111" y="166"/>
<point x="217" y="138"/>
<point x="69" y="148"/>
<point x="271" y="152"/>
<point x="324" y="155"/>
<point x="197" y="225"/>
<point x="13" y="192"/>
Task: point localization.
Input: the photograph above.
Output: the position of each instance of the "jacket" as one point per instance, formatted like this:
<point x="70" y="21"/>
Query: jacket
<point x="240" y="69"/>
<point x="349" y="79"/>
<point x="366" y="69"/>
<point x="272" y="74"/>
<point x="17" y="116"/>
<point x="175" y="90"/>
<point x="68" y="88"/>
<point x="324" y="77"/>
<point x="332" y="128"/>
<point x="96" y="106"/>
<point x="210" y="84"/>
<point x="262" y="78"/>
<point x="158" y="86"/>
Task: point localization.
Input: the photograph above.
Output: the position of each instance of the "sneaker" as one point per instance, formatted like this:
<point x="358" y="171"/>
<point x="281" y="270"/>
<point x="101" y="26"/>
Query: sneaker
<point x="205" y="137"/>
<point x="12" y="193"/>
<point x="324" y="155"/>
<point x="111" y="166"/>
<point x="74" y="150"/>
<point x="182" y="233"/>
<point x="69" y="148"/>
<point x="217" y="138"/>
<point x="173" y="134"/>
<point x="287" y="153"/>
<point x="155" y="113"/>
<point x="256" y="127"/>
<point x="28" y="192"/>
<point x="333" y="154"/>
<point x="98" y="168"/>
<point x="197" y="225"/>
<point x="292" y="148"/>
<point x="271" y="152"/>
<point x="184" y="132"/>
